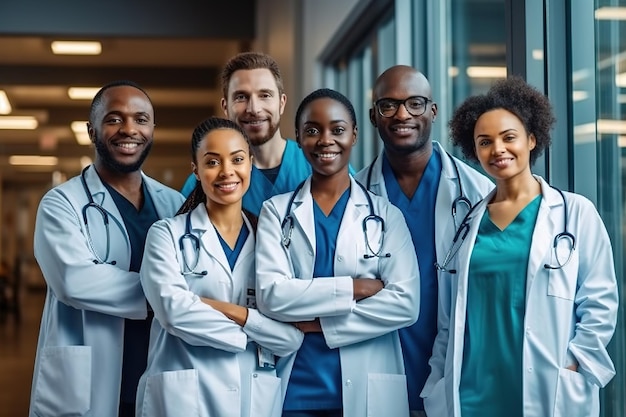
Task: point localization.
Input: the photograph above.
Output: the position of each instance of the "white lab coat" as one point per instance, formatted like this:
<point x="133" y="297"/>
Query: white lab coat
<point x="372" y="368"/>
<point x="475" y="186"/>
<point x="570" y="315"/>
<point x="79" y="354"/>
<point x="200" y="363"/>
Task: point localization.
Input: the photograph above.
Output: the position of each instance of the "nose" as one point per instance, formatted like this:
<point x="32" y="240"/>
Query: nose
<point x="498" y="147"/>
<point x="402" y="113"/>
<point x="227" y="170"/>
<point x="253" y="105"/>
<point x="325" y="139"/>
<point x="128" y="127"/>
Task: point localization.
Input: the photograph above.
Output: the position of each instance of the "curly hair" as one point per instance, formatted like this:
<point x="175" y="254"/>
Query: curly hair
<point x="515" y="95"/>
<point x="324" y="93"/>
<point x="197" y="196"/>
<point x="250" y="61"/>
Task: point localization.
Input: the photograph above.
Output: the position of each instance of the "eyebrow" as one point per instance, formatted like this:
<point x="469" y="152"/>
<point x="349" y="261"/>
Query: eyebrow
<point x="232" y="153"/>
<point x="499" y="133"/>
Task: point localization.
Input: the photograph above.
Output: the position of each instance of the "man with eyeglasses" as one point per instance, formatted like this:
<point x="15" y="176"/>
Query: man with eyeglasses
<point x="434" y="191"/>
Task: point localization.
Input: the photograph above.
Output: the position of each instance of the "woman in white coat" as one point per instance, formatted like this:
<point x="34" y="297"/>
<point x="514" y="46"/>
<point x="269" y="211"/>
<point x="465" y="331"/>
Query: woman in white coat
<point x="535" y="299"/>
<point x="212" y="354"/>
<point x="338" y="262"/>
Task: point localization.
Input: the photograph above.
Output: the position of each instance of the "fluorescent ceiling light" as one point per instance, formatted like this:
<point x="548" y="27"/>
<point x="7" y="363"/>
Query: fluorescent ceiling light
<point x="76" y="47"/>
<point x="579" y="95"/>
<point x="18" y="122"/>
<point x="453" y="71"/>
<point x="537" y="54"/>
<point x="611" y="13"/>
<point x="80" y="132"/>
<point x="33" y="160"/>
<point x="5" y="106"/>
<point x="620" y="79"/>
<point x="486" y="72"/>
<point x="82" y="93"/>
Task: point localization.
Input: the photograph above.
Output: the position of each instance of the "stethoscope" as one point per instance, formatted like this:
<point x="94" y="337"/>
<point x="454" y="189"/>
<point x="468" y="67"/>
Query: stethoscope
<point x="105" y="219"/>
<point x="463" y="230"/>
<point x="461" y="200"/>
<point x="287" y="224"/>
<point x="187" y="268"/>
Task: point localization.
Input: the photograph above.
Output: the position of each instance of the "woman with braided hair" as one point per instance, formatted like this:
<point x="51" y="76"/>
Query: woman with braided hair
<point x="211" y="352"/>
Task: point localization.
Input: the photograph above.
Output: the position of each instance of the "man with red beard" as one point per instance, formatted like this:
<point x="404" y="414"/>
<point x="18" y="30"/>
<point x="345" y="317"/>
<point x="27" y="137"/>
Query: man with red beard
<point x="89" y="240"/>
<point x="254" y="98"/>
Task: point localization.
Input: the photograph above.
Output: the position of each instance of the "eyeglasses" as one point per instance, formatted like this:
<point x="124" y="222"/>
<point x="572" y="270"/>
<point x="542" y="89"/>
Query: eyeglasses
<point x="388" y="107"/>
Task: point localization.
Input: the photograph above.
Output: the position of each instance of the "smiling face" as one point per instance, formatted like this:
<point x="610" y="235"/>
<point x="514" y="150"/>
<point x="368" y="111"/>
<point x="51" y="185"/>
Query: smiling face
<point x="326" y="135"/>
<point x="255" y="103"/>
<point x="122" y="129"/>
<point x="502" y="144"/>
<point x="402" y="132"/>
<point x="223" y="166"/>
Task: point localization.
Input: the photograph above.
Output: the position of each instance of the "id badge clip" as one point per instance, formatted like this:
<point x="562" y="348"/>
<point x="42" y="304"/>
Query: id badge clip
<point x="265" y="358"/>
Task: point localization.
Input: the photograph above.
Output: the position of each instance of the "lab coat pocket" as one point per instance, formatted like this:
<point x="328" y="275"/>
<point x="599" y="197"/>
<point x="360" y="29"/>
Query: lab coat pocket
<point x="574" y="396"/>
<point x="562" y="281"/>
<point x="265" y="395"/>
<point x="435" y="403"/>
<point x="63" y="382"/>
<point x="387" y="395"/>
<point x="172" y="394"/>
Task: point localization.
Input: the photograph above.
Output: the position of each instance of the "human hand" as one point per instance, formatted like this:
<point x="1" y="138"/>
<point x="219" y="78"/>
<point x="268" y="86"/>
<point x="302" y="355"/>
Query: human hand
<point x="366" y="287"/>
<point x="309" y="326"/>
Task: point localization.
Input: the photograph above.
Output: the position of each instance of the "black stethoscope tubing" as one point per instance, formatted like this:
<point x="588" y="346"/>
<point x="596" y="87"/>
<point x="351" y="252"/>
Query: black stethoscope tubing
<point x="105" y="219"/>
<point x="195" y="241"/>
<point x="288" y="220"/>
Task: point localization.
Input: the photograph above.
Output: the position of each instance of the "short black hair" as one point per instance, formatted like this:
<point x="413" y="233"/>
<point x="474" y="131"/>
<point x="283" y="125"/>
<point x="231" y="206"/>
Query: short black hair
<point x="97" y="99"/>
<point x="512" y="94"/>
<point x="325" y="93"/>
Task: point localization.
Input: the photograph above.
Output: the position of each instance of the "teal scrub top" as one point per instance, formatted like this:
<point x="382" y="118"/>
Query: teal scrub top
<point x="491" y="375"/>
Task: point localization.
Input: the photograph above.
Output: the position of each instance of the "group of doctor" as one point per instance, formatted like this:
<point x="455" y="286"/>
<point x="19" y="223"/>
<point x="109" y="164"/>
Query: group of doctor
<point x="284" y="286"/>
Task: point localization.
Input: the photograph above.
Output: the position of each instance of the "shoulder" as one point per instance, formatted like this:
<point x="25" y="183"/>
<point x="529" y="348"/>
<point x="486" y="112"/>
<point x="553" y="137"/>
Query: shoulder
<point x="70" y="191"/>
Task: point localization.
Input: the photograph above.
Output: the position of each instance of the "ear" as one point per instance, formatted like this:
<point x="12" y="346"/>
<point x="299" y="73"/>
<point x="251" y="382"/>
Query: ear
<point x="194" y="169"/>
<point x="223" y="104"/>
<point x="354" y="135"/>
<point x="298" y="138"/>
<point x="533" y="141"/>
<point x="91" y="132"/>
<point x="283" y="101"/>
<point x="434" y="109"/>
<point x="373" y="117"/>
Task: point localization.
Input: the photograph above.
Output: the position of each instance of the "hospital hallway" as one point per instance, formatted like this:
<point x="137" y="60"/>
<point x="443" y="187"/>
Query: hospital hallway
<point x="18" y="343"/>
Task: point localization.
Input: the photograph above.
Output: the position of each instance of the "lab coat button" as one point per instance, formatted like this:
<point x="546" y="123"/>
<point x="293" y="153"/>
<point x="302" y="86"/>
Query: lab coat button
<point x="310" y="253"/>
<point x="339" y="258"/>
<point x="255" y="375"/>
<point x="530" y="369"/>
<point x="348" y="383"/>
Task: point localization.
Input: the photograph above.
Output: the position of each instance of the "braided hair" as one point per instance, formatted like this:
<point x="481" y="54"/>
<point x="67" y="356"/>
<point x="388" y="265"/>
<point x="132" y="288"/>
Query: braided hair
<point x="198" y="196"/>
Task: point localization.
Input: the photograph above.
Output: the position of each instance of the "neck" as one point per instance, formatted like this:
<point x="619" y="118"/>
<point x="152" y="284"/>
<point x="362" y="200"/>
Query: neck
<point x="519" y="187"/>
<point x="225" y="218"/>
<point x="124" y="182"/>
<point x="409" y="164"/>
<point x="329" y="187"/>
<point x="269" y="154"/>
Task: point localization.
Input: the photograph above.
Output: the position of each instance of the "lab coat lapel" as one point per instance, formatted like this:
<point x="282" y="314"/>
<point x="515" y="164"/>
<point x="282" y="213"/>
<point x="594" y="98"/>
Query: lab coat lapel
<point x="350" y="231"/>
<point x="202" y="227"/>
<point x="302" y="212"/>
<point x="544" y="232"/>
<point x="446" y="193"/>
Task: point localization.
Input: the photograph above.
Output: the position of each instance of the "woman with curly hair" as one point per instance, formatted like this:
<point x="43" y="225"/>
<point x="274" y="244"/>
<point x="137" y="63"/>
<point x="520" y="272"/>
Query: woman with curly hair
<point x="535" y="300"/>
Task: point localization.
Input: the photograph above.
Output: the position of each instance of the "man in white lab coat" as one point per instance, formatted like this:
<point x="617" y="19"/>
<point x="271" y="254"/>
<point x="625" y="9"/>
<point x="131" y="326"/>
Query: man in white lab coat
<point x="89" y="238"/>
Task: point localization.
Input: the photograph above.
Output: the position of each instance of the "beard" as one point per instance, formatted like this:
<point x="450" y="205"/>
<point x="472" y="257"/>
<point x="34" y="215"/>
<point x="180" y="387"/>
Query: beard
<point x="110" y="162"/>
<point x="258" y="140"/>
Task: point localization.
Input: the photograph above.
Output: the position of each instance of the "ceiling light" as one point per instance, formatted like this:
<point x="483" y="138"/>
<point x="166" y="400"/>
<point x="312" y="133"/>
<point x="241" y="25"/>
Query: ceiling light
<point x="620" y="79"/>
<point x="5" y="106"/>
<point x="33" y="160"/>
<point x="611" y="13"/>
<point x="82" y="93"/>
<point x="18" y="122"/>
<point x="80" y="132"/>
<point x="486" y="72"/>
<point x="76" y="47"/>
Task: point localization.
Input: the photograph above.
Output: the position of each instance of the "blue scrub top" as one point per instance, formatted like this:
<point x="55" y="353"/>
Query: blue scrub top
<point x="315" y="381"/>
<point x="419" y="212"/>
<point x="294" y="168"/>
<point x="233" y="253"/>
<point x="491" y="375"/>
<point x="136" y="332"/>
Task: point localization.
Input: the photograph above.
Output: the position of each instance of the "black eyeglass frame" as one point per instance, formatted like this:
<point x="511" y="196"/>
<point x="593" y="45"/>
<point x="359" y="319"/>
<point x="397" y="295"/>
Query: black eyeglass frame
<point x="403" y="102"/>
